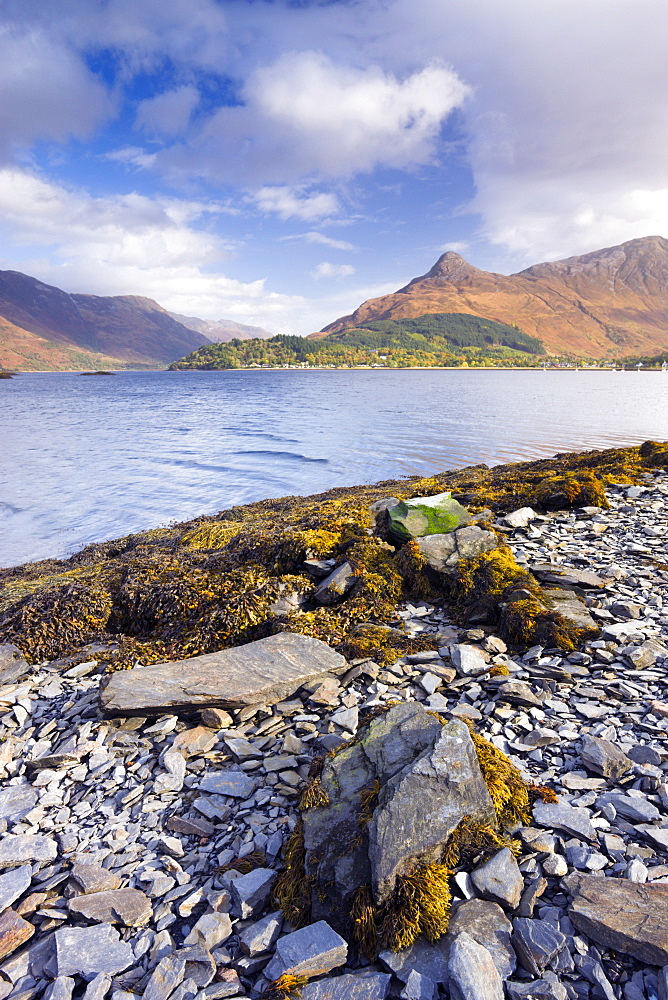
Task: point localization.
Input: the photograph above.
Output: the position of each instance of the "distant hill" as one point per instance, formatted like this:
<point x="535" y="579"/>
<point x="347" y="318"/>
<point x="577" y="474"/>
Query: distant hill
<point x="444" y="331"/>
<point x="601" y="304"/>
<point x="221" y="331"/>
<point x="44" y="328"/>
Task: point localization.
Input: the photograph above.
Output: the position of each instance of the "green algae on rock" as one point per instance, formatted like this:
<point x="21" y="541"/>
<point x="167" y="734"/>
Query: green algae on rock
<point x="429" y="515"/>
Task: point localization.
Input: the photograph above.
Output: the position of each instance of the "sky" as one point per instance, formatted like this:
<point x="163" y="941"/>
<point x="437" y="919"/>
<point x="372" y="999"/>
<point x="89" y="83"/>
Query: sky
<point x="277" y="162"/>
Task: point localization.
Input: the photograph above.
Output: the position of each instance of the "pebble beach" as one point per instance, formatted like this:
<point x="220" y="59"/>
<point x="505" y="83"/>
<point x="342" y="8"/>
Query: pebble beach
<point x="139" y="851"/>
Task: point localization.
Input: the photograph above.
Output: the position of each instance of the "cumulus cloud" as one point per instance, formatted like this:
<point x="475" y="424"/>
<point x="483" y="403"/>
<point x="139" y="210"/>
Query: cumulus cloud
<point x="305" y="115"/>
<point x="295" y="203"/>
<point x="168" y="114"/>
<point x="327" y="270"/>
<point x="42" y="83"/>
<point x="130" y="244"/>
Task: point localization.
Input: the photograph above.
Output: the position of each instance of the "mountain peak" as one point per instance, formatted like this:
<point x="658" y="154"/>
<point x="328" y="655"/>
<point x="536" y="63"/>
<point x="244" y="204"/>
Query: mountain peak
<point x="450" y="266"/>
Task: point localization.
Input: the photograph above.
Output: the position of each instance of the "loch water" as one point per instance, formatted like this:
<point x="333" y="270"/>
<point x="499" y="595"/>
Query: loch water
<point x="85" y="459"/>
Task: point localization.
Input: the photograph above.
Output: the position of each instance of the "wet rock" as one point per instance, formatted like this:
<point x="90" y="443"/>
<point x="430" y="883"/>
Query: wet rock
<point x="500" y="879"/>
<point x="311" y="951"/>
<point x="251" y="891"/>
<point x="129" y="907"/>
<point x="13" y="665"/>
<point x="627" y="916"/>
<point x="472" y="974"/>
<point x="487" y="924"/>
<point x="13" y="884"/>
<point x="261" y="672"/>
<point x="364" y="985"/>
<point x="16" y="848"/>
<point x="419" y="516"/>
<point x="537" y="943"/>
<point x="87" y="951"/>
<point x="335" y="586"/>
<point x="443" y="552"/>
<point x="16" y="801"/>
<point x="604" y="758"/>
<point x="14" y="931"/>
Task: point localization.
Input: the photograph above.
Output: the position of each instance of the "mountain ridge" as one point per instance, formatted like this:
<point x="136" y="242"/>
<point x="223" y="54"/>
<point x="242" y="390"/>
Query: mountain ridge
<point x="598" y="304"/>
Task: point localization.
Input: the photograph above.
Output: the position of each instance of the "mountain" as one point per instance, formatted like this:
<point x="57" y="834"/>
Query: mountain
<point x="221" y="331"/>
<point x="44" y="328"/>
<point x="601" y="304"/>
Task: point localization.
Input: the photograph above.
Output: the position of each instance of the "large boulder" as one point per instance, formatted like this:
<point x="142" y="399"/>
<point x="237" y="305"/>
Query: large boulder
<point x="420" y="516"/>
<point x="394" y="799"/>
<point x="443" y="551"/>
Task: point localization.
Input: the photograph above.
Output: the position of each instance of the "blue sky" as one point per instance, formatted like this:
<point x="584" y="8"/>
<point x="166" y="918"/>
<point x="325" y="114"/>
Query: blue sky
<point x="279" y="162"/>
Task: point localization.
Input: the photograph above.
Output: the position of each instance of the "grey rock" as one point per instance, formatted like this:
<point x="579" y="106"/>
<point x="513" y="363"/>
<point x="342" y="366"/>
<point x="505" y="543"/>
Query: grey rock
<point x="642" y="754"/>
<point x="635" y="808"/>
<point x="94" y="878"/>
<point x="87" y="951"/>
<point x="571" y="819"/>
<point x="430" y="960"/>
<point x="251" y="892"/>
<point x="472" y="974"/>
<point x="627" y="916"/>
<point x="537" y="989"/>
<point x="419" y="987"/>
<point x="603" y="757"/>
<point x="16" y="801"/>
<point x="13" y="884"/>
<point x="636" y="871"/>
<point x="537" y="943"/>
<point x="364" y="985"/>
<point x="98" y="988"/>
<point x="468" y="660"/>
<point x="554" y="865"/>
<point x="519" y="518"/>
<point x="310" y="951"/>
<point x="519" y="693"/>
<point x="13" y="666"/>
<point x="500" y="879"/>
<point x="663" y="983"/>
<point x="443" y="552"/>
<point x="646" y="654"/>
<point x="335" y="586"/>
<point x="566" y="576"/>
<point x="228" y="782"/>
<point x="420" y="516"/>
<point x="487" y="924"/>
<point x="593" y="971"/>
<point x="60" y="989"/>
<point x="211" y="930"/>
<point x="346" y="718"/>
<point x="261" y="935"/>
<point x="420" y="806"/>
<point x="534" y="888"/>
<point x="14" y="931"/>
<point x="261" y="672"/>
<point x="625" y="609"/>
<point x="16" y="848"/>
<point x="200" y="965"/>
<point x="166" y="976"/>
<point x="129" y="907"/>
<point x="657" y="834"/>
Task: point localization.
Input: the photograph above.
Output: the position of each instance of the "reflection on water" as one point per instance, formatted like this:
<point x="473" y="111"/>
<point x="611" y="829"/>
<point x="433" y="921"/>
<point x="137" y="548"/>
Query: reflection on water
<point x="88" y="459"/>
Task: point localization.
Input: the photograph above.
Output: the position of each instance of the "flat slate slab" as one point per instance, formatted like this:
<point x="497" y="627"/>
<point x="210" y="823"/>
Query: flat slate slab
<point x="630" y="917"/>
<point x="262" y="672"/>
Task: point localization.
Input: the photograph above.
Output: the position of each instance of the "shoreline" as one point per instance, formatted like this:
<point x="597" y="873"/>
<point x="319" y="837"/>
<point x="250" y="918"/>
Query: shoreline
<point x="454" y="368"/>
<point x="180" y="814"/>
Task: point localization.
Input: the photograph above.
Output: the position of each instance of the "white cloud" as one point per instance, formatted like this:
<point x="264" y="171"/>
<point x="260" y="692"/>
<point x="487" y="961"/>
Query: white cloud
<point x="327" y="270"/>
<point x="168" y="114"/>
<point x="295" y="203"/>
<point x="305" y="115"/>
<point x="42" y="84"/>
<point x="134" y="156"/>
<point x="325" y="241"/>
<point x="131" y="244"/>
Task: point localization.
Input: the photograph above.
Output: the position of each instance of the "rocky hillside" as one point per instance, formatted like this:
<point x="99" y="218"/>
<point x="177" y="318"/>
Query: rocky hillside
<point x="602" y="304"/>
<point x="222" y="331"/>
<point x="44" y="328"/>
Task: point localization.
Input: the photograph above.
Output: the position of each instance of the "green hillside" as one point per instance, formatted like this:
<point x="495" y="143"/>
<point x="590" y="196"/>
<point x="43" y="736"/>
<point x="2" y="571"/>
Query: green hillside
<point x="441" y="340"/>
